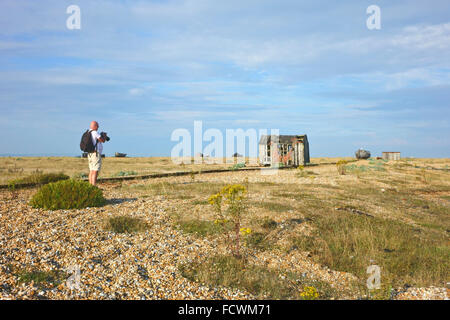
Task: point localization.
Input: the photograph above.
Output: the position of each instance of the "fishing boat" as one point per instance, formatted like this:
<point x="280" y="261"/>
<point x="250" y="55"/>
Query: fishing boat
<point x="120" y="155"/>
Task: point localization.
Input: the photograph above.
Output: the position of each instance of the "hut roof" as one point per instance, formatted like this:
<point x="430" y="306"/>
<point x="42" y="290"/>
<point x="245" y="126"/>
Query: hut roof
<point x="265" y="139"/>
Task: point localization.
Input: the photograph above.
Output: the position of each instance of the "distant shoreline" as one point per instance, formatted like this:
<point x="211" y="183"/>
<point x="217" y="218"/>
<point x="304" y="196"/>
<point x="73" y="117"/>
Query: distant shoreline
<point x="71" y="156"/>
<point x="166" y="156"/>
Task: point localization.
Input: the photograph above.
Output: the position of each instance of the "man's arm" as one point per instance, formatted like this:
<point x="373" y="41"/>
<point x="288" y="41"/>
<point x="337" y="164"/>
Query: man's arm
<point x="97" y="136"/>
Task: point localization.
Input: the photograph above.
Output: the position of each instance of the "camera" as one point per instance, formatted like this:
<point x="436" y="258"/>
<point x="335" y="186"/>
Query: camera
<point x="104" y="136"/>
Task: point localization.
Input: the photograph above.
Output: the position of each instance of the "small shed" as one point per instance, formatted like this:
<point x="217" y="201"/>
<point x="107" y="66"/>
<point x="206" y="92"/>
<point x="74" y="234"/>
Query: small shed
<point x="391" y="155"/>
<point x="290" y="150"/>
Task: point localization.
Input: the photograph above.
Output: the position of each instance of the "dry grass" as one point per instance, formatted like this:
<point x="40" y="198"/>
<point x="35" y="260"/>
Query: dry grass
<point x="125" y="224"/>
<point x="395" y="214"/>
<point x="20" y="167"/>
<point x="388" y="214"/>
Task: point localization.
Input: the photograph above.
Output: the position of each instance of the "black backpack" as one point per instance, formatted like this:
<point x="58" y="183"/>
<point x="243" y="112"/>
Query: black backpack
<point x="86" y="144"/>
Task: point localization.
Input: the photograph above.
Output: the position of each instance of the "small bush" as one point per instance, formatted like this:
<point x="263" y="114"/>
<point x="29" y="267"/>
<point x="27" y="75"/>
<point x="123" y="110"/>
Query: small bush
<point x="340" y="166"/>
<point x="234" y="196"/>
<point x="238" y="166"/>
<point x="67" y="194"/>
<point x="39" y="178"/>
<point x="126" y="224"/>
<point x="126" y="173"/>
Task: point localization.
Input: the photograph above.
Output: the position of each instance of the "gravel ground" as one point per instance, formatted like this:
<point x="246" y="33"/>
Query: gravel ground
<point x="431" y="293"/>
<point x="113" y="266"/>
<point x="138" y="266"/>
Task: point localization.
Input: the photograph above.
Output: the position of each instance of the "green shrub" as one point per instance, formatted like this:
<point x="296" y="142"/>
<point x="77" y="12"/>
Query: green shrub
<point x="126" y="224"/>
<point x="67" y="194"/>
<point x="126" y="173"/>
<point x="39" y="178"/>
<point x="238" y="166"/>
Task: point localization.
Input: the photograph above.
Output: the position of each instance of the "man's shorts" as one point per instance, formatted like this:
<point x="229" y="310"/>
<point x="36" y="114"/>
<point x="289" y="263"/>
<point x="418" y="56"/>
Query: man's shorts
<point x="95" y="161"/>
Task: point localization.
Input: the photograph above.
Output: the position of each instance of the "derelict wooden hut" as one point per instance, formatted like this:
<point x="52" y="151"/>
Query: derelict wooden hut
<point x="290" y="150"/>
<point x="391" y="155"/>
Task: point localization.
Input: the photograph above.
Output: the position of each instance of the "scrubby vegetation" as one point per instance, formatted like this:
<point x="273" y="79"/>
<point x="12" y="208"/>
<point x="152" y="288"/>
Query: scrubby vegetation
<point x="38" y="277"/>
<point x="80" y="175"/>
<point x="237" y="166"/>
<point x="233" y="196"/>
<point x="16" y="168"/>
<point x="390" y="216"/>
<point x="201" y="227"/>
<point x="126" y="224"/>
<point x="67" y="194"/>
<point x="341" y="166"/>
<point x="350" y="242"/>
<point x="274" y="234"/>
<point x="125" y="173"/>
<point x="260" y="281"/>
<point x="38" y="177"/>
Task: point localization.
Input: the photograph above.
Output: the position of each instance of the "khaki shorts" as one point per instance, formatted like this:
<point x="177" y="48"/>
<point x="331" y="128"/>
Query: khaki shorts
<point x="95" y="161"/>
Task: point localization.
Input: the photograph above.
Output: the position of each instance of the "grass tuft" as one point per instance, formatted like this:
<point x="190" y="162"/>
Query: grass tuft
<point x="39" y="277"/>
<point x="126" y="224"/>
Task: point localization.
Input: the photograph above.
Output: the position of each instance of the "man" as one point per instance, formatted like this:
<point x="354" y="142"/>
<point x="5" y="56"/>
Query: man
<point x="95" y="158"/>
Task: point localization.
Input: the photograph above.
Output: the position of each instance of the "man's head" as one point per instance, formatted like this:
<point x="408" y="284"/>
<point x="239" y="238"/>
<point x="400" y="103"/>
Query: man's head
<point x="94" y="125"/>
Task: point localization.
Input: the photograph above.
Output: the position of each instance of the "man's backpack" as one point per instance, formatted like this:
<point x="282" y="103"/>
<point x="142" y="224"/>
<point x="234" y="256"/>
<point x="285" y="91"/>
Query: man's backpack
<point x="86" y="144"/>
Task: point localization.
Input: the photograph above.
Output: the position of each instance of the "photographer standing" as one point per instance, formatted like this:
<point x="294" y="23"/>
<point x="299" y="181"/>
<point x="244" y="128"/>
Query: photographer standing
<point x="95" y="158"/>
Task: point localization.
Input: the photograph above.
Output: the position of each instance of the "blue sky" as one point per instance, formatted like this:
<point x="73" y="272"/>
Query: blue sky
<point x="146" y="68"/>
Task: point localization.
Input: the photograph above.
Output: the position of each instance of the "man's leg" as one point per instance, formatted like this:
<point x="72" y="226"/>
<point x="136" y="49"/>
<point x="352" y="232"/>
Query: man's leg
<point x="93" y="179"/>
<point x="90" y="168"/>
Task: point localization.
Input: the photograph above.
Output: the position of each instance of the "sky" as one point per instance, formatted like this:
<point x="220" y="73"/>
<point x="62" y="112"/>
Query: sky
<point x="145" y="68"/>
